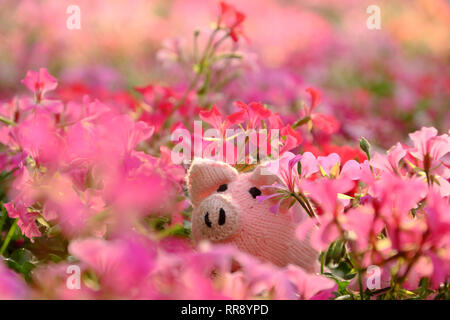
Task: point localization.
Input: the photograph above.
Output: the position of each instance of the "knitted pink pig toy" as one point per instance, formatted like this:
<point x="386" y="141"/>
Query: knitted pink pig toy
<point x="226" y="210"/>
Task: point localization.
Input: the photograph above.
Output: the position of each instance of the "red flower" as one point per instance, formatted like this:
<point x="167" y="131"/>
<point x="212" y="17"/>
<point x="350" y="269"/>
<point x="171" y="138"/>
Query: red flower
<point x="322" y="122"/>
<point x="316" y="98"/>
<point x="255" y="112"/>
<point x="231" y="19"/>
<point x="293" y="138"/>
<point x="325" y="123"/>
<point x="215" y="118"/>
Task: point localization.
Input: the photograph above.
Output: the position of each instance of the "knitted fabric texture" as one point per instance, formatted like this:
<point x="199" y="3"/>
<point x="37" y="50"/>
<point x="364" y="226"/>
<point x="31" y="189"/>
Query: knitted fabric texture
<point x="236" y="217"/>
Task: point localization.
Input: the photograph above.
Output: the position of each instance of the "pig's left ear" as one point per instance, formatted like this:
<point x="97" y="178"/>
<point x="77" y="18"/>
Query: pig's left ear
<point x="205" y="176"/>
<point x="261" y="176"/>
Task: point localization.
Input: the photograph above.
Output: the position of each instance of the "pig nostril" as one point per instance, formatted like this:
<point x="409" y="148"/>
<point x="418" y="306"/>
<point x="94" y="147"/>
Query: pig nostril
<point x="207" y="222"/>
<point x="222" y="217"/>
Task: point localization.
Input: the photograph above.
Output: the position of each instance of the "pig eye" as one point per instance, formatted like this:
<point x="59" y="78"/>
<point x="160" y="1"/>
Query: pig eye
<point x="222" y="188"/>
<point x="254" y="191"/>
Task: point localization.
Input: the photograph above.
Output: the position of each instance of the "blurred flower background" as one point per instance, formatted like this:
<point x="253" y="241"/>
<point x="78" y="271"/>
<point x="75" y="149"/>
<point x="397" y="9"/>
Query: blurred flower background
<point x="398" y="76"/>
<point x="87" y="176"/>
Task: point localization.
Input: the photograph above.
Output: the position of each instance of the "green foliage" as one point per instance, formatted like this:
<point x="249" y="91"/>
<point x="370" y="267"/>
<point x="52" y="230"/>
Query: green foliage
<point x="22" y="261"/>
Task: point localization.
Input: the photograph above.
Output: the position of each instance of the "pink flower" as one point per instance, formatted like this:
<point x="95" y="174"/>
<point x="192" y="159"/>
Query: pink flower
<point x="330" y="167"/>
<point x="122" y="266"/>
<point x="309" y="164"/>
<point x="354" y="170"/>
<point x="39" y="138"/>
<point x="321" y="235"/>
<point x="308" y="285"/>
<point x="26" y="219"/>
<point x="330" y="164"/>
<point x="361" y="221"/>
<point x="428" y="144"/>
<point x="430" y="149"/>
<point x="325" y="193"/>
<point x="51" y="279"/>
<point x="285" y="169"/>
<point x="12" y="287"/>
<point x="438" y="220"/>
<point x="74" y="211"/>
<point x="441" y="266"/>
<point x="39" y="83"/>
<point x="397" y="196"/>
<point x="394" y="198"/>
<point x="390" y="162"/>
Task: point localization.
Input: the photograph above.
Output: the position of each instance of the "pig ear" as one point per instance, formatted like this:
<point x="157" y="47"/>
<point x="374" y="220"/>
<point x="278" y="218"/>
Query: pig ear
<point x="205" y="176"/>
<point x="262" y="176"/>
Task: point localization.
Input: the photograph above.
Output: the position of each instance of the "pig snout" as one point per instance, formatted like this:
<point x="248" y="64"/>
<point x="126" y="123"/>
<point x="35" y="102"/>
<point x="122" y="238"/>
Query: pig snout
<point x="215" y="219"/>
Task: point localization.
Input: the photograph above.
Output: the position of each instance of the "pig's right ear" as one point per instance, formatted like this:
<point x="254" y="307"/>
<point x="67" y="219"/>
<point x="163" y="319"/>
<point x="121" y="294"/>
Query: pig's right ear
<point x="205" y="176"/>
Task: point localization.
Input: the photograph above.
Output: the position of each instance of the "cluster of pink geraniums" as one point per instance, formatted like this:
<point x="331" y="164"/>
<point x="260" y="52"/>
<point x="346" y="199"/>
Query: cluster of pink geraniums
<point x="90" y="183"/>
<point x="391" y="212"/>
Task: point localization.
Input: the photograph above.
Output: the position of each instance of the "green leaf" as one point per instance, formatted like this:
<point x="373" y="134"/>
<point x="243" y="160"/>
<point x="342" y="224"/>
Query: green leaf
<point x="335" y="253"/>
<point x="176" y="231"/>
<point x="23" y="261"/>
<point x="3" y="216"/>
<point x="55" y="258"/>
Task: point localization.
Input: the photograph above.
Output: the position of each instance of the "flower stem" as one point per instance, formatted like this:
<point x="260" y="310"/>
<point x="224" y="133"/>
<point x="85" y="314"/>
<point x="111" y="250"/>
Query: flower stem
<point x="8" y="238"/>
<point x="3" y="216"/>
<point x="300" y="198"/>
<point x="361" y="291"/>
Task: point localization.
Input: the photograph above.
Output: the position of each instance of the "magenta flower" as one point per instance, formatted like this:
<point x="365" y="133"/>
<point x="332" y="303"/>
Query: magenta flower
<point x="284" y="170"/>
<point x="39" y="83"/>
<point x="12" y="287"/>
<point x="121" y="265"/>
<point x="325" y="193"/>
<point x="438" y="220"/>
<point x="26" y="219"/>
<point x="308" y="285"/>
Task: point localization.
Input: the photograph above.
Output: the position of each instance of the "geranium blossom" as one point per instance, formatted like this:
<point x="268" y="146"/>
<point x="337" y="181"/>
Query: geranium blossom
<point x="39" y="82"/>
<point x="231" y="19"/>
<point x="348" y="135"/>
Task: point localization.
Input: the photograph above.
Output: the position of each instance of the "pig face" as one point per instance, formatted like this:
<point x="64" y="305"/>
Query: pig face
<point x="226" y="210"/>
<point x="223" y="200"/>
